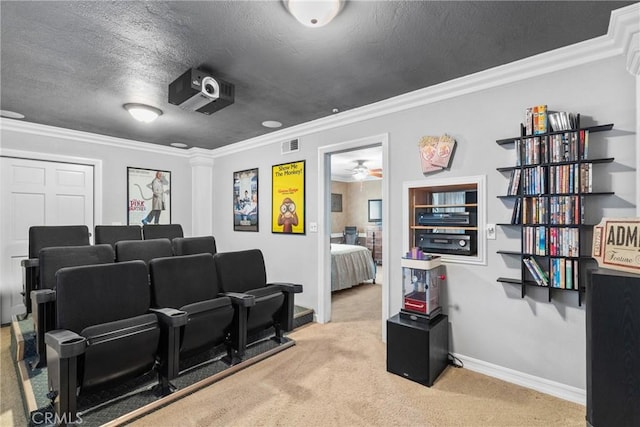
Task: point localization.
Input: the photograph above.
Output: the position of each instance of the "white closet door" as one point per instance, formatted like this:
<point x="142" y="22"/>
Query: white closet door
<point x="34" y="192"/>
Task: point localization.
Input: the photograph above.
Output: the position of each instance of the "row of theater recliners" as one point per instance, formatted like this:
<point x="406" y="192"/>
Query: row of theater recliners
<point x="78" y="235"/>
<point x="116" y="312"/>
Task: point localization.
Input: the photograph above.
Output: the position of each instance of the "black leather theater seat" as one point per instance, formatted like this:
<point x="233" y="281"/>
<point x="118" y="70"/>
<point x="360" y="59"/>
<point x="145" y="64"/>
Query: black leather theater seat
<point x="110" y="234"/>
<point x="106" y="333"/>
<point x="244" y="272"/>
<point x="194" y="245"/>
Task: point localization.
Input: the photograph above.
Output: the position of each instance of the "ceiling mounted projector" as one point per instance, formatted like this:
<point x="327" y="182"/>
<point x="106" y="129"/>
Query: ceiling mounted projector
<point x="196" y="90"/>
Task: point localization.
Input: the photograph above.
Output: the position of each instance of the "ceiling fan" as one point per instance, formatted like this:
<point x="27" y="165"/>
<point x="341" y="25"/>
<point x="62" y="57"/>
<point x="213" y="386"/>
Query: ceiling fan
<point x="361" y="171"/>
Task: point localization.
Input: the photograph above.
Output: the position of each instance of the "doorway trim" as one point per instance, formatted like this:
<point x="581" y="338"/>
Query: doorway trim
<point x="324" y="220"/>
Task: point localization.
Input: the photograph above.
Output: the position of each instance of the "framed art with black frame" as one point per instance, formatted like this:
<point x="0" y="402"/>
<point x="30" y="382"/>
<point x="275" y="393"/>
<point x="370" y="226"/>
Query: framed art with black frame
<point x="245" y="200"/>
<point x="288" y="198"/>
<point x="148" y="196"/>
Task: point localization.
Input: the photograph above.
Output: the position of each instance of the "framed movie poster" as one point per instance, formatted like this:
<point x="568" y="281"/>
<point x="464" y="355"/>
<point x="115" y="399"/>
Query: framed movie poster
<point x="287" y="198"/>
<point x="245" y="200"/>
<point x="148" y="196"/>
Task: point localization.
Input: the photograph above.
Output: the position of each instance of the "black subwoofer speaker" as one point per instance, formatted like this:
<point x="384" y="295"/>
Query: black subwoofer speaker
<point x="417" y="350"/>
<point x="613" y="349"/>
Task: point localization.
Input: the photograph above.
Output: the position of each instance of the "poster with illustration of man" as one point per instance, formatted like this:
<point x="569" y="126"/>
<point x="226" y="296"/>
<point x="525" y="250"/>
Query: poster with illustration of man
<point x="287" y="198"/>
<point x="148" y="196"/>
<point x="245" y="200"/>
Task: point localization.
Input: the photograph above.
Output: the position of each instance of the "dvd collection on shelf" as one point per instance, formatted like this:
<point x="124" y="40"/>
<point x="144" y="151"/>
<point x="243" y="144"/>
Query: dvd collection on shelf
<point x="556" y="148"/>
<point x="563" y="273"/>
<point x="549" y="183"/>
<point x="539" y="120"/>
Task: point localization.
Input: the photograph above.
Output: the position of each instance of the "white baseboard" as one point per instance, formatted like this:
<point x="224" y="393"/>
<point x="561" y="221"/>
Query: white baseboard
<point x="553" y="388"/>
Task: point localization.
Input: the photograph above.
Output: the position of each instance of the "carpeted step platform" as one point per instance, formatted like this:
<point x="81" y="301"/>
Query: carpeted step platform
<point x="128" y="401"/>
<point x="302" y="316"/>
<point x="139" y="396"/>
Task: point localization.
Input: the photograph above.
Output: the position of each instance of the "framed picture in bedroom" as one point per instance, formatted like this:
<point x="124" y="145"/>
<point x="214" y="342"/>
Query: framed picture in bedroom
<point x="148" y="196"/>
<point x="245" y="200"/>
<point x="336" y="202"/>
<point x="288" y="198"/>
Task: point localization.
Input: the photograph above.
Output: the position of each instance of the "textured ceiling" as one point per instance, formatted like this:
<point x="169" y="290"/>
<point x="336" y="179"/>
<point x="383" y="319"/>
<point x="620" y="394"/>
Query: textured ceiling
<point x="74" y="64"/>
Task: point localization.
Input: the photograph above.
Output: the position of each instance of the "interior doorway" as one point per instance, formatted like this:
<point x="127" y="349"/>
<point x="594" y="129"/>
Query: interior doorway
<point x="325" y="154"/>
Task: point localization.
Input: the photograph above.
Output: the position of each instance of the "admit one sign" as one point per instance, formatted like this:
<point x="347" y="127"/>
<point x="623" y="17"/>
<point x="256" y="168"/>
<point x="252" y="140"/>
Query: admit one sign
<point x="616" y="244"/>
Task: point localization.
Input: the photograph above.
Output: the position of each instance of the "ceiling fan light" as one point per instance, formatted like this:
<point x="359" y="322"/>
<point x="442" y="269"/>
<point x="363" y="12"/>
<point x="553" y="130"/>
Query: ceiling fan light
<point x="314" y="13"/>
<point x="143" y="113"/>
<point x="360" y="173"/>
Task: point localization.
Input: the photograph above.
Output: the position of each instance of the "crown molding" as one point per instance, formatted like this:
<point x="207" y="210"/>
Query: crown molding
<point x="621" y="38"/>
<point x="624" y="28"/>
<point x="87" y="137"/>
<point x="201" y="158"/>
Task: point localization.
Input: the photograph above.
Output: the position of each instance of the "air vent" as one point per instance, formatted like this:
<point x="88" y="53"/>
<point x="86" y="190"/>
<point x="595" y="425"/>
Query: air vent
<point x="291" y="146"/>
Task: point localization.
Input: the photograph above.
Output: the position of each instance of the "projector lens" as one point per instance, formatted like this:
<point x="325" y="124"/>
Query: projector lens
<point x="210" y="87"/>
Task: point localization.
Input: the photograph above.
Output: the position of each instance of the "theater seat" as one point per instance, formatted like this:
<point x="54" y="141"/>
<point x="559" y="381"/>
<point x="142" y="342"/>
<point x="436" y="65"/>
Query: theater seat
<point x="144" y="250"/>
<point x="106" y="333"/>
<point x="160" y="231"/>
<point x="244" y="272"/>
<point x="110" y="234"/>
<point x="194" y="245"/>
<point x="43" y="300"/>
<point x="42" y="236"/>
<point x="189" y="283"/>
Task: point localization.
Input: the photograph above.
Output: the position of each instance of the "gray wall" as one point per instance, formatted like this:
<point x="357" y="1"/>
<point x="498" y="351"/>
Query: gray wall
<point x="115" y="157"/>
<point x="489" y="320"/>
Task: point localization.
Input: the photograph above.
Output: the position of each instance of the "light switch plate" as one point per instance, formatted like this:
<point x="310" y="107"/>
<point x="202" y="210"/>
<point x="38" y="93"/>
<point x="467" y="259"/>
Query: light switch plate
<point x="491" y="231"/>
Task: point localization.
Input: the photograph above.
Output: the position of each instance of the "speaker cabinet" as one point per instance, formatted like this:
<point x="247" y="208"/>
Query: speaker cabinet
<point x="613" y="349"/>
<point x="417" y="350"/>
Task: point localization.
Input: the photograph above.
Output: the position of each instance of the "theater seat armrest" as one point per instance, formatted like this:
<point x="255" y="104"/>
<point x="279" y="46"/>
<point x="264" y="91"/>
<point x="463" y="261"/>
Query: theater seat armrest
<point x="292" y="288"/>
<point x="243" y="300"/>
<point x="41" y="296"/>
<point x="30" y="263"/>
<point x="171" y="316"/>
<point x="65" y="343"/>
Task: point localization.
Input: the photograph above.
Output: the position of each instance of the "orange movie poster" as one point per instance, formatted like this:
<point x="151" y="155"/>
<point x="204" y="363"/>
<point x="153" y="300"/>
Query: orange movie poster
<point x="287" y="198"/>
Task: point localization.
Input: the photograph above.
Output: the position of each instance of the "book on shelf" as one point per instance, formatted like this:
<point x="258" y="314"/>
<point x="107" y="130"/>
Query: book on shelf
<point x="539" y="116"/>
<point x="584" y="144"/>
<point x="515" y="215"/>
<point x="528" y="120"/>
<point x="538" y="274"/>
<point x="564" y="273"/>
<point x="514" y="182"/>
<point x="586" y="177"/>
<point x="561" y="120"/>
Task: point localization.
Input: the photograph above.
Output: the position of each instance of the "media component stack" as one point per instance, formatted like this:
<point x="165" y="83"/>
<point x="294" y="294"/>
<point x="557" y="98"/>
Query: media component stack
<point x="418" y="336"/>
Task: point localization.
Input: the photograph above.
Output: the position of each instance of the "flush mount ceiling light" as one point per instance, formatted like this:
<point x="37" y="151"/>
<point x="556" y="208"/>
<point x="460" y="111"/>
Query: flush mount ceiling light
<point x="271" y="124"/>
<point x="143" y="113"/>
<point x="11" y="114"/>
<point x="179" y="144"/>
<point x="314" y="13"/>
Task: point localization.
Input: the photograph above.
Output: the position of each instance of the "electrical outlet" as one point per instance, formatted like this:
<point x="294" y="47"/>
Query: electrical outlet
<point x="491" y="231"/>
<point x="313" y="227"/>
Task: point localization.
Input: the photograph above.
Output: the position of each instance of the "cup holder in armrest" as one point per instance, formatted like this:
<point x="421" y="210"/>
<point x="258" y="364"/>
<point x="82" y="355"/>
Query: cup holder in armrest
<point x="171" y="316"/>
<point x="66" y="343"/>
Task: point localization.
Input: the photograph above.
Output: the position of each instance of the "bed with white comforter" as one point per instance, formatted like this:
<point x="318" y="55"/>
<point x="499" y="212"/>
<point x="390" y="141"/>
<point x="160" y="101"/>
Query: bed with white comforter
<point x="350" y="266"/>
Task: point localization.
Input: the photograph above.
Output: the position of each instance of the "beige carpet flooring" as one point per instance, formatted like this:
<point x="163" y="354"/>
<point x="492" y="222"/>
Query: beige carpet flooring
<point x="336" y="375"/>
